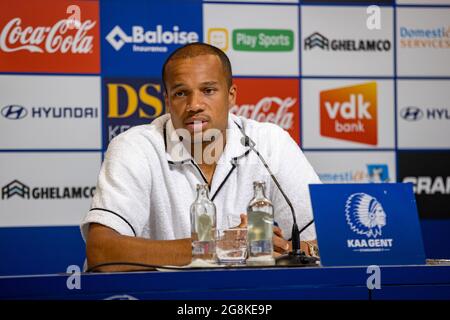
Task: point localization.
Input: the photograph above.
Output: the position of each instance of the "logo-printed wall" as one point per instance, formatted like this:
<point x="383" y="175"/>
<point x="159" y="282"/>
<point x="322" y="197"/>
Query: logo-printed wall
<point x="365" y="104"/>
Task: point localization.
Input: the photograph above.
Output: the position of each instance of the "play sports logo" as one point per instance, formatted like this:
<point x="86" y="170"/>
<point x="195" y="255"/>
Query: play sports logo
<point x="257" y="40"/>
<point x="350" y="113"/>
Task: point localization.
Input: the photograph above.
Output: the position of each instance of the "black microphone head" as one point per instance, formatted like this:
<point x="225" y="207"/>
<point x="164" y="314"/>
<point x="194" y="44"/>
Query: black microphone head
<point x="245" y="141"/>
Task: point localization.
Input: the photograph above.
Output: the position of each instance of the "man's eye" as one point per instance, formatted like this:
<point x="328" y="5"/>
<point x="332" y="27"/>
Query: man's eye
<point x="179" y="94"/>
<point x="209" y="91"/>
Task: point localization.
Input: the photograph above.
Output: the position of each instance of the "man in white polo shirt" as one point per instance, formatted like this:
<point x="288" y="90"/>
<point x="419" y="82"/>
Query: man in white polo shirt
<point x="140" y="212"/>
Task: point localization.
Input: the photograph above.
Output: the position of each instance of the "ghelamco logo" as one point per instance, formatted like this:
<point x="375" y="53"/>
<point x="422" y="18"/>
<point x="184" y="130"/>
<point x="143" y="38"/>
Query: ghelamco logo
<point x="150" y="40"/>
<point x="20" y="190"/>
<point x="317" y="40"/>
<point x="365" y="216"/>
<point x="263" y="40"/>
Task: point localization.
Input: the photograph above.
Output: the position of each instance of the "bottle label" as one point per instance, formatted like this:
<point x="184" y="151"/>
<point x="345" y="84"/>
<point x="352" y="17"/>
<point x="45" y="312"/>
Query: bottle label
<point x="198" y="249"/>
<point x="261" y="246"/>
<point x="256" y="247"/>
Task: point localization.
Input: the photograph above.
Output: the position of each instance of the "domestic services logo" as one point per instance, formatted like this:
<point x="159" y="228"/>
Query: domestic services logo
<point x="374" y="173"/>
<point x="317" y="40"/>
<point x="425" y="38"/>
<point x="366" y="217"/>
<point x="350" y="113"/>
<point x="257" y="40"/>
<point x="154" y="40"/>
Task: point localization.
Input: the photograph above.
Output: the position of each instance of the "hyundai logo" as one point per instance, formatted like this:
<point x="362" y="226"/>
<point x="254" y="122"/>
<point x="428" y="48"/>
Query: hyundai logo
<point x="14" y="112"/>
<point x="411" y="113"/>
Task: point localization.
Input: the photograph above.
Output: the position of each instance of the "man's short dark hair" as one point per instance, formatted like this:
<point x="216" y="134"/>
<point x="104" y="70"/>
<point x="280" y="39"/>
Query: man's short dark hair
<point x="195" y="49"/>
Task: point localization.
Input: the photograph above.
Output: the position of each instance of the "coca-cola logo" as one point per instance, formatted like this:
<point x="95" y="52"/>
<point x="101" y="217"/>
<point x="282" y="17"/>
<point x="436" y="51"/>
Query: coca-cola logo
<point x="269" y="109"/>
<point x="50" y="39"/>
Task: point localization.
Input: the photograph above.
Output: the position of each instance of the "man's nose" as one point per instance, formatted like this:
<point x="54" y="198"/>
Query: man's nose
<point x="195" y="102"/>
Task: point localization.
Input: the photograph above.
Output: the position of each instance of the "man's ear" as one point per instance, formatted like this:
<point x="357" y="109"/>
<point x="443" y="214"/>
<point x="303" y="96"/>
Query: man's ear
<point x="232" y="94"/>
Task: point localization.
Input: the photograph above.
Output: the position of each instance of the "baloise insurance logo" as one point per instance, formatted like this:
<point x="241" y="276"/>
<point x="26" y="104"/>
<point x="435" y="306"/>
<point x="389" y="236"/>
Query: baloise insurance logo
<point x="350" y="113"/>
<point x="366" y="217"/>
<point x="317" y="40"/>
<point x="154" y="40"/>
<point x="260" y="40"/>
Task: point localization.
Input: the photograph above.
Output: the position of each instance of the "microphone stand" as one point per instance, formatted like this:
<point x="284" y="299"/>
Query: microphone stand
<point x="296" y="257"/>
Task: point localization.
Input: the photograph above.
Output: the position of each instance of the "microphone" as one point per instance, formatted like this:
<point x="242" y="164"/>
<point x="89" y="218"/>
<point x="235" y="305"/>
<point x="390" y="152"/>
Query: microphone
<point x="296" y="257"/>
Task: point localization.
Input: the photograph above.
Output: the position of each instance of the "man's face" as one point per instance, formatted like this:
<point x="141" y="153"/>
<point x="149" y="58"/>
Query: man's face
<point x="197" y="96"/>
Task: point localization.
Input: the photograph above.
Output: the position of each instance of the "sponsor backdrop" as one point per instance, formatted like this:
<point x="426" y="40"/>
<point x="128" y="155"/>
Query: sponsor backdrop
<point x="363" y="89"/>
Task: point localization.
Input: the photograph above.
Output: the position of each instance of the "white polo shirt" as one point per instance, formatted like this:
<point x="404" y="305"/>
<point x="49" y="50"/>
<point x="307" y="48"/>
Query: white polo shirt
<point x="147" y="181"/>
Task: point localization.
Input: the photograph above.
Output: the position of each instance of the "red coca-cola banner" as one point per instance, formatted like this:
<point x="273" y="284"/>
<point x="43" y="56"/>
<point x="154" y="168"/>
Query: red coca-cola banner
<point x="49" y="36"/>
<point x="270" y="100"/>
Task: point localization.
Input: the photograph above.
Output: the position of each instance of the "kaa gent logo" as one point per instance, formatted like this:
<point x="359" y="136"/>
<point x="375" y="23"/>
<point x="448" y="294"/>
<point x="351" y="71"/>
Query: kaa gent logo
<point x="366" y="216"/>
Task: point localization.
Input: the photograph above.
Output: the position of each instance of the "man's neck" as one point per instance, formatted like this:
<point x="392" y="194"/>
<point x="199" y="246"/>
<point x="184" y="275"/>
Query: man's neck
<point x="208" y="153"/>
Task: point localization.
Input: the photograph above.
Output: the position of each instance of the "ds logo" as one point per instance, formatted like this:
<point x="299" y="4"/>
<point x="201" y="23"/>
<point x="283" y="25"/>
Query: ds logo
<point x="131" y="103"/>
<point x="134" y="97"/>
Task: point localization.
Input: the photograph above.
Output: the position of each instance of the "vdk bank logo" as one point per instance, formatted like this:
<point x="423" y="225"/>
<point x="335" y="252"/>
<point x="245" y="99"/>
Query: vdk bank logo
<point x="365" y="216"/>
<point x="132" y="102"/>
<point x="14" y="112"/>
<point x="350" y="113"/>
<point x="259" y="40"/>
<point x="150" y="40"/>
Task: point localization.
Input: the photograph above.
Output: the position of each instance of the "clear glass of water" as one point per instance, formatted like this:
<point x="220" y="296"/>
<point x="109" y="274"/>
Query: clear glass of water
<point x="231" y="242"/>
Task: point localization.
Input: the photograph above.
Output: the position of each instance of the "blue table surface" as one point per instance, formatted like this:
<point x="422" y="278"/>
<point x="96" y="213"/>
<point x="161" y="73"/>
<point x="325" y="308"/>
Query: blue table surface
<point x="336" y="283"/>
